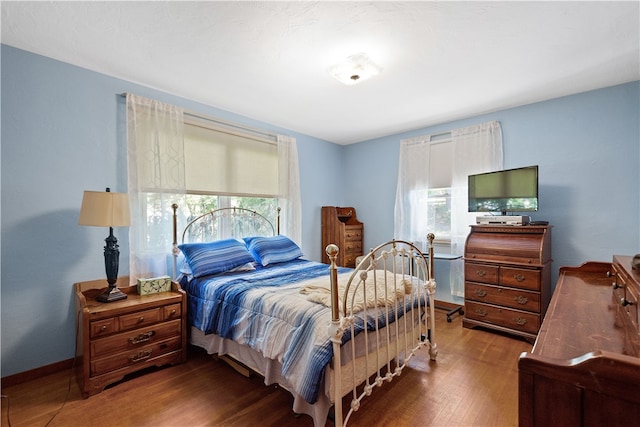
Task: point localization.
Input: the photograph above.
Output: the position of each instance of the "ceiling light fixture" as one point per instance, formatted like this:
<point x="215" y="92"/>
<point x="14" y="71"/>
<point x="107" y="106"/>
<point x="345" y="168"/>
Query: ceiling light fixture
<point x="355" y="69"/>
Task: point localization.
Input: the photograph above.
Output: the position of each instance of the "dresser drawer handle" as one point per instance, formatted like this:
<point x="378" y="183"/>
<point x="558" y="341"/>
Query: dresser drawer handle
<point x="481" y="312"/>
<point x="143" y="355"/>
<point x="142" y="337"/>
<point x="481" y="273"/>
<point x="625" y="302"/>
<point x="103" y="328"/>
<point x="520" y="321"/>
<point x="141" y="319"/>
<point x="480" y="292"/>
<point x="615" y="285"/>
<point x="519" y="277"/>
<point x="521" y="300"/>
<point x="173" y="313"/>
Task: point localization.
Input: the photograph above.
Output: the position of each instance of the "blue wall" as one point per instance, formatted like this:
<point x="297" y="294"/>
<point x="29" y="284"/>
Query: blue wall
<point x="588" y="150"/>
<point x="62" y="133"/>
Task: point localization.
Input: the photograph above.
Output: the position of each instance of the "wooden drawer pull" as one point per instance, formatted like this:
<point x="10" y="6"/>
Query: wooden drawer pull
<point x="519" y="277"/>
<point x="103" y="328"/>
<point x="521" y="300"/>
<point x="142" y="337"/>
<point x="143" y="355"/>
<point x="520" y="321"/>
<point x="480" y="292"/>
<point x="481" y="273"/>
<point x="481" y="312"/>
<point x="173" y="313"/>
<point x="141" y="319"/>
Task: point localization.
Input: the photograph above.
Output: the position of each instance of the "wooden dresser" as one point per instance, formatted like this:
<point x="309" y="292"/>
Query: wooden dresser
<point x="507" y="273"/>
<point x="341" y="227"/>
<point x="584" y="368"/>
<point x="118" y="338"/>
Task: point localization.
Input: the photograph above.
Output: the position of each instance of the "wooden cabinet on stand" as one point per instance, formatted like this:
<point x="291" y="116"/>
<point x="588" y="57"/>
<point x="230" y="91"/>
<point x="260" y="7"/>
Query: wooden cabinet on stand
<point x="507" y="275"/>
<point x="341" y="227"/>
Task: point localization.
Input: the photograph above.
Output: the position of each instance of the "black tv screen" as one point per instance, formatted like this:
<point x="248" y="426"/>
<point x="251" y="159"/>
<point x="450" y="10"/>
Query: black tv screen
<point x="511" y="190"/>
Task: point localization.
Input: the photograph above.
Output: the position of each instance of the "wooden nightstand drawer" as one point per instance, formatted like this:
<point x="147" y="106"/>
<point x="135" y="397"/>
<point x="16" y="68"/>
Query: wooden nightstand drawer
<point x="135" y="338"/>
<point x="104" y="327"/>
<point x="481" y="273"/>
<point x="172" y="311"/>
<point x="518" y="299"/>
<point x="520" y="278"/>
<point x="134" y="357"/>
<point x="139" y="319"/>
<point x="500" y="316"/>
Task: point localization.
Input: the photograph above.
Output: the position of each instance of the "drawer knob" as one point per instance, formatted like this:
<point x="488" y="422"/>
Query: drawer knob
<point x="103" y="328"/>
<point x="520" y="321"/>
<point x="481" y="273"/>
<point x="173" y="312"/>
<point x="142" y="337"/>
<point x="610" y="274"/>
<point x="480" y="292"/>
<point x="521" y="300"/>
<point x="625" y="302"/>
<point x="143" y="355"/>
<point x="141" y="319"/>
<point x="518" y="277"/>
<point x="481" y="312"/>
<point x="615" y="285"/>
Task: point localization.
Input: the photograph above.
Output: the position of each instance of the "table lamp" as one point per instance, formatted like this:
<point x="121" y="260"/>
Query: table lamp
<point x="107" y="209"/>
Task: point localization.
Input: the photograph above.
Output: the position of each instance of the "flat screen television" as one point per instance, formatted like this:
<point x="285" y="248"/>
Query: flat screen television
<point x="505" y="191"/>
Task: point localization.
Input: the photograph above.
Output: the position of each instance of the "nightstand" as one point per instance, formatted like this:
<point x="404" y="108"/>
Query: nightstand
<point x="118" y="338"/>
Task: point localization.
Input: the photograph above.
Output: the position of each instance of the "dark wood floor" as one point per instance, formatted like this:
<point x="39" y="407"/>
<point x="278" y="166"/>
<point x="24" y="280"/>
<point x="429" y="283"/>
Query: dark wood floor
<point x="473" y="383"/>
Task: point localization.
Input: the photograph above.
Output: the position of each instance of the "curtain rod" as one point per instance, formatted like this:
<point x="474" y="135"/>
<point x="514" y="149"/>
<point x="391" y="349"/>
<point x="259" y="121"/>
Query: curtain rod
<point x="224" y="122"/>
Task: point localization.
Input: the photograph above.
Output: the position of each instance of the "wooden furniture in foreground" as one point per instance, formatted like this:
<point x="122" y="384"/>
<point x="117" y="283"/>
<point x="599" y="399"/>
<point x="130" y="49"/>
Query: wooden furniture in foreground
<point x="584" y="369"/>
<point x="341" y="227"/>
<point x="118" y="338"/>
<point x="507" y="273"/>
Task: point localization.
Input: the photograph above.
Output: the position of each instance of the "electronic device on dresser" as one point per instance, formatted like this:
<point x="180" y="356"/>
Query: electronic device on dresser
<point x="507" y="191"/>
<point x="341" y="227"/>
<point x="507" y="278"/>
<point x="584" y="368"/>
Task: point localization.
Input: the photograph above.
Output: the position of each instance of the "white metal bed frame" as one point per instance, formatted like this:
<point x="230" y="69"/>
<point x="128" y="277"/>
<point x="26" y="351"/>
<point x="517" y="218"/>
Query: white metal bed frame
<point x="393" y="346"/>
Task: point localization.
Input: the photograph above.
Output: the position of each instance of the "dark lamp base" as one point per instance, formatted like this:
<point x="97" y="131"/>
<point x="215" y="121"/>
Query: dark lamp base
<point x="111" y="295"/>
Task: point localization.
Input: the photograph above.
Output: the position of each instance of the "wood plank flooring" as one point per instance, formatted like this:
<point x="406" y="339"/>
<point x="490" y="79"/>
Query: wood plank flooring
<point x="472" y="383"/>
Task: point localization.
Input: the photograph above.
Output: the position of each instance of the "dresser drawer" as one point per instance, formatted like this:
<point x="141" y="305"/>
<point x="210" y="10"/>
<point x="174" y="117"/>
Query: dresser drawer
<point x="134" y="357"/>
<point x="104" y="327"/>
<point x="139" y="319"/>
<point x="353" y="248"/>
<point x="514" y="298"/>
<point x="353" y="232"/>
<point x="508" y="318"/>
<point x="173" y="311"/>
<point x="481" y="273"/>
<point x="135" y="338"/>
<point x="520" y="278"/>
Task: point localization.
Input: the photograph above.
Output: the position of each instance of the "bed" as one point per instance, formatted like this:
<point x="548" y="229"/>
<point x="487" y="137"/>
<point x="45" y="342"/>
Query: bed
<point x="320" y="331"/>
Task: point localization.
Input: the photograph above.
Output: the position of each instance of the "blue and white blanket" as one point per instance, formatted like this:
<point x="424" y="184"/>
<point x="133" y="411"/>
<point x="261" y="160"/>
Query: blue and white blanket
<point x="265" y="310"/>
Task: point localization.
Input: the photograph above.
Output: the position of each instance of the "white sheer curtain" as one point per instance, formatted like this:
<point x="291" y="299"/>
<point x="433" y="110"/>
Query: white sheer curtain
<point x="412" y="190"/>
<point x="156" y="180"/>
<point x="476" y="149"/>
<point x="289" y="188"/>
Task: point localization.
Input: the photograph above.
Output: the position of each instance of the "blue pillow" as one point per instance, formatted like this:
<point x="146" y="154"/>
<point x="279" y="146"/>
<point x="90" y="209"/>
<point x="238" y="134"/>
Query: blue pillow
<point x="271" y="250"/>
<point x="215" y="257"/>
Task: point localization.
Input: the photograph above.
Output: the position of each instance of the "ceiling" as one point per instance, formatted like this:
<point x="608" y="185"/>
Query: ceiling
<point x="440" y="61"/>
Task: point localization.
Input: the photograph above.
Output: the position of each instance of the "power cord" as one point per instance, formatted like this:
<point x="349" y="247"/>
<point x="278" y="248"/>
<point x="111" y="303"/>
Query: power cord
<point x="4" y="396"/>
<point x="73" y="366"/>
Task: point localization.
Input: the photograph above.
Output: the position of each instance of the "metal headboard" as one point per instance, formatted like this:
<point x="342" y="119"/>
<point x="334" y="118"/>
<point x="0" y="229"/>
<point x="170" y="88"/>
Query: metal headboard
<point x="223" y="223"/>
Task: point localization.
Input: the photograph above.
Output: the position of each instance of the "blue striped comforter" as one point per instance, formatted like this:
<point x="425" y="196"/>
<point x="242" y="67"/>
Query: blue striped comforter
<point x="265" y="310"/>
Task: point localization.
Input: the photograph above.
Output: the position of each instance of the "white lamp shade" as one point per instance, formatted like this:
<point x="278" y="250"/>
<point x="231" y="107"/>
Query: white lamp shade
<point x="105" y="209"/>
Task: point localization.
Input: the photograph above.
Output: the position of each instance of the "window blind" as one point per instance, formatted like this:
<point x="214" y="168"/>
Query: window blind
<point x="225" y="161"/>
